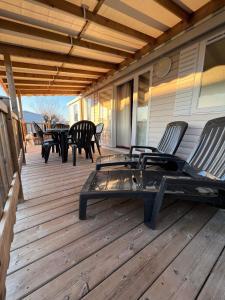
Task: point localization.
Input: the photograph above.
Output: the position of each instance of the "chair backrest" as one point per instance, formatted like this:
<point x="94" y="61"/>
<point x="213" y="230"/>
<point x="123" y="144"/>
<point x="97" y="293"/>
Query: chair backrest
<point x="38" y="131"/>
<point x="99" y="129"/>
<point x="172" y="137"/>
<point x="208" y="158"/>
<point x="82" y="133"/>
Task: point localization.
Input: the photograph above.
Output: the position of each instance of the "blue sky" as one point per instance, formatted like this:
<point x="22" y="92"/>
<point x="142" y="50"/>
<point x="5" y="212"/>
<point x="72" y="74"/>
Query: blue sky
<point x="30" y="103"/>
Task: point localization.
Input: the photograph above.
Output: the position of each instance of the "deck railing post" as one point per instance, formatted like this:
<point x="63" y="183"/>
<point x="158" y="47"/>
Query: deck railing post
<point x="12" y="144"/>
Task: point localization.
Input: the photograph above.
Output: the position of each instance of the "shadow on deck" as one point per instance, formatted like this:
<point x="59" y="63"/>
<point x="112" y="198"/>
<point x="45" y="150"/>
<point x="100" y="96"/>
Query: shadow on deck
<point x="111" y="255"/>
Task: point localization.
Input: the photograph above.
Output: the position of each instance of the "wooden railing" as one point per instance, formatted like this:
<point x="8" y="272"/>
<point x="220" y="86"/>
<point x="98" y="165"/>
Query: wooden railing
<point x="11" y="158"/>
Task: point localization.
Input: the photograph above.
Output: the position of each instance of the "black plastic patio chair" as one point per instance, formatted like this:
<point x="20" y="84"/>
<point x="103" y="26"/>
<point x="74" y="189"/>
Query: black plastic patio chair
<point x="200" y="179"/>
<point x="46" y="144"/>
<point x="80" y="136"/>
<point x="168" y="144"/>
<point x="97" y="137"/>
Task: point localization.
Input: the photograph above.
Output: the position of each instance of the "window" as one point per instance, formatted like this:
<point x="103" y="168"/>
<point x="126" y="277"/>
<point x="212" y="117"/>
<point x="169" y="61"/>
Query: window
<point x="212" y="85"/>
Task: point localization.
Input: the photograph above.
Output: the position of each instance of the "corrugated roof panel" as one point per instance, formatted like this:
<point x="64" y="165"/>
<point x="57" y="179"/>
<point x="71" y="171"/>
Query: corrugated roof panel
<point x="125" y="19"/>
<point x="193" y="4"/>
<point x="79" y="51"/>
<point x="27" y="41"/>
<point x="112" y="38"/>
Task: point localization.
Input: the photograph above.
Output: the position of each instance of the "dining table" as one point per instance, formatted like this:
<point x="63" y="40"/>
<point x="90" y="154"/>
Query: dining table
<point x="62" y="134"/>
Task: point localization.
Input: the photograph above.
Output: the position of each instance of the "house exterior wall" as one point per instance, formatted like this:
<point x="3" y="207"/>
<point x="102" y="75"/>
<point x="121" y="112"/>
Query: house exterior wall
<point x="172" y="98"/>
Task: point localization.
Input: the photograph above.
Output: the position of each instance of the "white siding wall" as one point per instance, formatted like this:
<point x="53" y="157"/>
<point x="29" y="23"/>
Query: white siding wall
<point x="172" y="100"/>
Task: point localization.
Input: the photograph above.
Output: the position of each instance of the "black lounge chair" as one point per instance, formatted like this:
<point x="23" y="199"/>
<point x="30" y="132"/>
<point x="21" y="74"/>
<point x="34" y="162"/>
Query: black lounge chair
<point x="168" y="144"/>
<point x="201" y="179"/>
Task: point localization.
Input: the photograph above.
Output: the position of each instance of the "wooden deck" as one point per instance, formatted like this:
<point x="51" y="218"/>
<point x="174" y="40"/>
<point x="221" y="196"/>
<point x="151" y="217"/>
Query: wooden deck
<point x="112" y="255"/>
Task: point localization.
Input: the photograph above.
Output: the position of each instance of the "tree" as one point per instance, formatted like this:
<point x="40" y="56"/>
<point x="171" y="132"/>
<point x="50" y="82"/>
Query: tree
<point x="51" y="111"/>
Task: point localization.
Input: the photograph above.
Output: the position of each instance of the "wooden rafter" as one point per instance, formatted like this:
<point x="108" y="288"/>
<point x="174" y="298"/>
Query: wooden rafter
<point x="77" y="11"/>
<point x="45" y="82"/>
<point x="53" y="56"/>
<point x="47" y="87"/>
<point x="174" y="8"/>
<point x="57" y="37"/>
<point x="48" y="92"/>
<point x="46" y="76"/>
<point x="206" y="10"/>
<point x="22" y="65"/>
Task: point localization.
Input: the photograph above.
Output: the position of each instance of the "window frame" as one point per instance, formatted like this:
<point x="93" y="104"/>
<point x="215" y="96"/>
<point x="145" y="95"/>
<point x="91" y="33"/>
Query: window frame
<point x="198" y="77"/>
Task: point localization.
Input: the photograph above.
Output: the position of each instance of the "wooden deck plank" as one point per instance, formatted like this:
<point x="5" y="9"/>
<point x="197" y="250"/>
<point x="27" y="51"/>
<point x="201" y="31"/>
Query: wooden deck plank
<point x="214" y="288"/>
<point x="184" y="277"/>
<point x="81" y="278"/>
<point x="28" y="279"/>
<point x="111" y="255"/>
<point x="40" y="248"/>
<point x="133" y="278"/>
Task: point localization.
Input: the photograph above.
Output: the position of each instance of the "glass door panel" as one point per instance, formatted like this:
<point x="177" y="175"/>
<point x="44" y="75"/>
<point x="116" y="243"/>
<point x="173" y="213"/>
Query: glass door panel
<point x="142" y="108"/>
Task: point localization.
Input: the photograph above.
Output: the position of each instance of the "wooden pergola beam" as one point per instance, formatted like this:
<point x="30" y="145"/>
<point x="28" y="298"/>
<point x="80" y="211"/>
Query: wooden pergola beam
<point x="57" y="37"/>
<point x="47" y="87"/>
<point x="22" y="65"/>
<point x="44" y="82"/>
<point x="174" y="8"/>
<point x="203" y="12"/>
<point x="53" y="56"/>
<point x="48" y="92"/>
<point x="32" y="76"/>
<point x="77" y="11"/>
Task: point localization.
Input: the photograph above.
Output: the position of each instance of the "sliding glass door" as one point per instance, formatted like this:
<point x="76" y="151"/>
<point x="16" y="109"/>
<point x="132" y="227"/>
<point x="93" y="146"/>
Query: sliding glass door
<point x="124" y="114"/>
<point x="142" y="108"/>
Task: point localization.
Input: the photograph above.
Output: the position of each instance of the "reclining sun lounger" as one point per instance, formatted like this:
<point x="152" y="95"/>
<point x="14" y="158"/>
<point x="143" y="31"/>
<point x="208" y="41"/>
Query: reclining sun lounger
<point x="201" y="178"/>
<point x="168" y="144"/>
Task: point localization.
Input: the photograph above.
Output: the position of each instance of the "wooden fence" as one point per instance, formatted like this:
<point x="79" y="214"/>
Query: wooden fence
<point x="11" y="159"/>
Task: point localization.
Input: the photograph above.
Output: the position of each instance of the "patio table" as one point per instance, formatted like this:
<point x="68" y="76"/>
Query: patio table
<point x="62" y="133"/>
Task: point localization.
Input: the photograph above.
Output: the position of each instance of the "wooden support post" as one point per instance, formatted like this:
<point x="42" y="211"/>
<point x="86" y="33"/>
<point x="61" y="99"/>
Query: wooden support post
<point x="23" y="141"/>
<point x="11" y="84"/>
<point x="13" y="107"/>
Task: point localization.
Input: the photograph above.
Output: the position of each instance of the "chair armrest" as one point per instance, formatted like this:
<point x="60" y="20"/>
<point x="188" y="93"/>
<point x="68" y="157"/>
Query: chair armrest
<point x="147" y="159"/>
<point x="142" y="147"/>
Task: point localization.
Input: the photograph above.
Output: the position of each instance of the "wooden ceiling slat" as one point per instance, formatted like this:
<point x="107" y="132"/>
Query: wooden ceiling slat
<point x="45" y="93"/>
<point x="44" y="82"/>
<point x="53" y="56"/>
<point x="56" y="37"/>
<point x="52" y="86"/>
<point x="22" y="65"/>
<point x="46" y="76"/>
<point x="77" y="11"/>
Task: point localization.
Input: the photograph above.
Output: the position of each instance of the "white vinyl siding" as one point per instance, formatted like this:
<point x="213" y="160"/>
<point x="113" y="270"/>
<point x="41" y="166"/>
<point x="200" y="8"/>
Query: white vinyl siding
<point x="164" y="105"/>
<point x="188" y="61"/>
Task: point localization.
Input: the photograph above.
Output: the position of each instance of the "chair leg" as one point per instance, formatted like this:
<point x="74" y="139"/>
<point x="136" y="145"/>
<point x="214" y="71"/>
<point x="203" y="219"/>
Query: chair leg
<point x="59" y="151"/>
<point x="79" y="150"/>
<point x="47" y="149"/>
<point x="98" y="147"/>
<point x="148" y="207"/>
<point x="53" y="148"/>
<point x="93" y="146"/>
<point x="90" y="153"/>
<point x="82" y="208"/>
<point x="42" y="151"/>
<point x="74" y="153"/>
